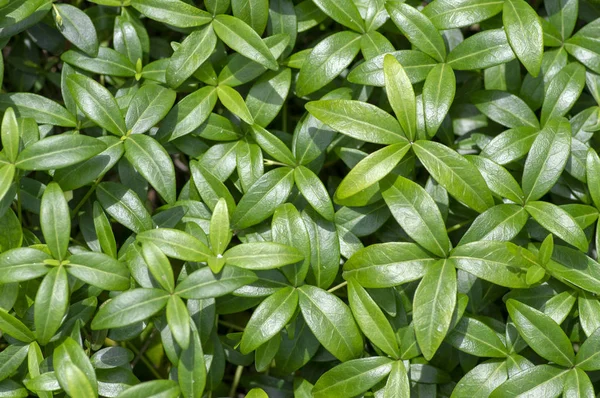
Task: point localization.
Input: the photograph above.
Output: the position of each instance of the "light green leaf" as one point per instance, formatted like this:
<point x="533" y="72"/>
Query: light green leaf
<point x="524" y="32"/>
<point x="434" y="302"/>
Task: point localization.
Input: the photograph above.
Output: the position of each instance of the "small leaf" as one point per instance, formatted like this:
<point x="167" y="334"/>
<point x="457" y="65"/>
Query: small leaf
<point x="262" y="255"/>
<point x="193" y="52"/>
<point x="55" y="220"/>
<point x="438" y="94"/>
<point x="435" y="299"/>
<point x="400" y="94"/>
<point x="269" y="318"/>
<point x="130" y="307"/>
<point x="352" y="378"/>
<point x="243" y="39"/>
<point x="541" y="333"/>
<point x="524" y="33"/>
<point x="331" y="322"/>
<point x="51" y="304"/>
<point x="97" y="103"/>
<point x="78" y="28"/>
<point x="153" y="162"/>
<point x="10" y="135"/>
<point x="74" y="370"/>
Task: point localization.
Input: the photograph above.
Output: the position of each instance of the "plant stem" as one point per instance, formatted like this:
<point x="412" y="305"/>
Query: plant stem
<point x="85" y="197"/>
<point x="341" y="285"/>
<point x="145" y="360"/>
<point x="236" y="381"/>
<point x="231" y="325"/>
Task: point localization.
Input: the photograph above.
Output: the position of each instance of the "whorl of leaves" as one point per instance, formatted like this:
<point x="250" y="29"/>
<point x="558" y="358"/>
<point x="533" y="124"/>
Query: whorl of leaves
<point x="299" y="198"/>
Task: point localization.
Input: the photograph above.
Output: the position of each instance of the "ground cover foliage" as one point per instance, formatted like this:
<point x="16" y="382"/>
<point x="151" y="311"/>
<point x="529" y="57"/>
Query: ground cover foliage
<point x="328" y="198"/>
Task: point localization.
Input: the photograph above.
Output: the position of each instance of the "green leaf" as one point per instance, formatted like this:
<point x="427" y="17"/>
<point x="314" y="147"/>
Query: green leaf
<point x="41" y="109"/>
<point x="108" y="62"/>
<point x="418" y="29"/>
<point x="188" y="114"/>
<point x="371" y="169"/>
<point x="325" y="249"/>
<point x="178" y="319"/>
<point x="203" y="283"/>
<point x="55" y="220"/>
<point x="97" y="103"/>
<point x="482" y="50"/>
<point x="111" y="357"/>
<point x="220" y="233"/>
<point x="401" y="95"/>
<point x="417" y="214"/>
<point x="387" y="264"/>
<point x="77" y="28"/>
<point x="272" y="315"/>
<point x="482" y="379"/>
<point x="476" y="338"/>
<point x="173" y="12"/>
<point x="331" y="322"/>
<point x="59" y="151"/>
<point x="261" y="200"/>
<point x="578" y="384"/>
<point x="13" y="327"/>
<point x="243" y="39"/>
<point x="153" y="162"/>
<point x="434" y="302"/>
<point x="51" y="304"/>
<point x="593" y="176"/>
<point x="352" y="378"/>
<point x="85" y="172"/>
<point x="452" y="171"/>
<point x="176" y="244"/>
<point x="504" y="108"/>
<point x="126" y="40"/>
<point x="448" y="14"/>
<point x="12" y="357"/>
<point x="159" y="265"/>
<point x="588" y="356"/>
<point x="124" y="206"/>
<point x="210" y="188"/>
<point x="415" y="63"/>
<point x="371" y="319"/>
<point x="10" y="135"/>
<point x="104" y="232"/>
<point x="498" y="262"/>
<point x="358" y="120"/>
<point x="99" y="270"/>
<point x="498" y="179"/>
<point x="510" y="145"/>
<point x="546" y="380"/>
<point x="194" y="50"/>
<point x="130" y="307"/>
<point x="152" y="389"/>
<point x="149" y="105"/>
<point x="272" y="145"/>
<point x="438" y="94"/>
<point x="344" y="12"/>
<point x="547" y="159"/>
<point x="559" y="222"/>
<point x="262" y="255"/>
<point x="22" y="264"/>
<point x="267" y="96"/>
<point x="74" y="370"/>
<point x="7" y="173"/>
<point x="314" y="191"/>
<point x="253" y="12"/>
<point x="574" y="267"/>
<point x="289" y="229"/>
<point x="233" y="101"/>
<point x="562" y="92"/>
<point x="524" y="33"/>
<point x="397" y="382"/>
<point x="541" y="333"/>
<point x="191" y="369"/>
<point x="499" y="223"/>
<point x="326" y="61"/>
<point x="562" y="14"/>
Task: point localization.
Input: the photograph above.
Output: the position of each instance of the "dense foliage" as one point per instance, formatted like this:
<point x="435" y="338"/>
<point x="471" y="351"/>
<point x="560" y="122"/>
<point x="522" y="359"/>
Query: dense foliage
<point x="328" y="198"/>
